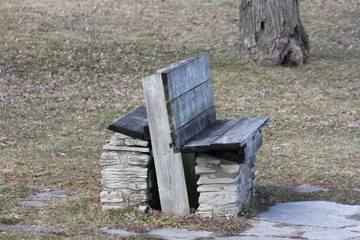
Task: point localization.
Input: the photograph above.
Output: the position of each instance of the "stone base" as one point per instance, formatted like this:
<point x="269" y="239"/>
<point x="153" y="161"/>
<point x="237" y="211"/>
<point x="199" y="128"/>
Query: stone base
<point x="225" y="187"/>
<point x="128" y="174"/>
<point x="128" y="178"/>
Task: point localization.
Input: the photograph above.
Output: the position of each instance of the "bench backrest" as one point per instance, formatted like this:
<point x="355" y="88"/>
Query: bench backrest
<point x="188" y="97"/>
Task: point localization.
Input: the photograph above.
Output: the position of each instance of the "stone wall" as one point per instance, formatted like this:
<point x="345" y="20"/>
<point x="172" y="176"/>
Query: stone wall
<point x="128" y="178"/>
<point x="225" y="187"/>
<point x="128" y="174"/>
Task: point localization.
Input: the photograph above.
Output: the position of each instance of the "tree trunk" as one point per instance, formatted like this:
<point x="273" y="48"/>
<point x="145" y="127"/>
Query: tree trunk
<point x="271" y="33"/>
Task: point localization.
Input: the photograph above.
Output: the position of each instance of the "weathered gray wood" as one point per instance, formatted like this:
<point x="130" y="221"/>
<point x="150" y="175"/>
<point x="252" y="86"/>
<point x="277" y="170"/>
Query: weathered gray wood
<point x="239" y="134"/>
<point x="234" y="156"/>
<point x="193" y="128"/>
<point x="132" y="124"/>
<point x="190" y="105"/>
<point x="179" y="79"/>
<point x="189" y="161"/>
<point x="252" y="147"/>
<point x="168" y="165"/>
<point x="202" y="141"/>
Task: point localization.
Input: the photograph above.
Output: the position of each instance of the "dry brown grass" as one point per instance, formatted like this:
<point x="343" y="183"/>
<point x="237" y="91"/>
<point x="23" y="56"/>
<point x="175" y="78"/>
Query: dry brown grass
<point x="69" y="68"/>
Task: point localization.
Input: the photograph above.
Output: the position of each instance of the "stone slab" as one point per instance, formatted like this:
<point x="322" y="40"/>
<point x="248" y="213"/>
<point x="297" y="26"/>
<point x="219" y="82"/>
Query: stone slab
<point x="266" y="229"/>
<point x="136" y="142"/>
<point x="312" y="213"/>
<point x="126" y="148"/>
<point x="52" y="194"/>
<point x="25" y="228"/>
<point x="354" y="228"/>
<point x="252" y="238"/>
<point x="111" y="197"/>
<point x="215" y="179"/>
<point x="13" y="215"/>
<point x="3" y="187"/>
<point x="178" y="233"/>
<point x="309" y="189"/>
<point x="119" y="232"/>
<point x="33" y="203"/>
<point x="337" y="234"/>
<point x="47" y="189"/>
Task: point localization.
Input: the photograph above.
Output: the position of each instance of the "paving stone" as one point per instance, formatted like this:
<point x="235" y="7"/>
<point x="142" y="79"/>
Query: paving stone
<point x="13" y="215"/>
<point x="354" y="228"/>
<point x="178" y="233"/>
<point x="3" y="187"/>
<point x="309" y="189"/>
<point x="33" y="186"/>
<point x="312" y="213"/>
<point x="26" y="228"/>
<point x="252" y="238"/>
<point x="266" y="229"/>
<point x="337" y="234"/>
<point x="119" y="232"/>
<point x="52" y="194"/>
<point x="33" y="203"/>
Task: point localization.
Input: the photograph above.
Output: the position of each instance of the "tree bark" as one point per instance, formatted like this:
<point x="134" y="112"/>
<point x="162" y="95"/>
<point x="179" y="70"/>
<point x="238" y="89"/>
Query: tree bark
<point x="271" y="33"/>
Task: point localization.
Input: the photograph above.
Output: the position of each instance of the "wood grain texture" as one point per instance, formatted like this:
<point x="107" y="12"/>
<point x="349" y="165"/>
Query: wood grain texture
<point x="234" y="156"/>
<point x="252" y="147"/>
<point x="133" y="124"/>
<point x="202" y="141"/>
<point x="180" y="78"/>
<point x="189" y="161"/>
<point x="193" y="128"/>
<point x="190" y="105"/>
<point x="168" y="165"/>
<point x="239" y="134"/>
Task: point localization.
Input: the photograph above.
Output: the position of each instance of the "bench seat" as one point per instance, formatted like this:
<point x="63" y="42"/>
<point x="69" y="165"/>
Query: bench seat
<point x="222" y="135"/>
<point x="133" y="124"/>
<point x="225" y="135"/>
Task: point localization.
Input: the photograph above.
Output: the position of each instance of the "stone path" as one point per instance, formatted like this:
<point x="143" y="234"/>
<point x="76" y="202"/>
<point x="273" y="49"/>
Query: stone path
<point x="309" y="189"/>
<point x="25" y="228"/>
<point x="37" y="200"/>
<point x="48" y="194"/>
<point x="311" y="220"/>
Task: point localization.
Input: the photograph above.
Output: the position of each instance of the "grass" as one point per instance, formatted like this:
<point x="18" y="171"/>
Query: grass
<point x="69" y="68"/>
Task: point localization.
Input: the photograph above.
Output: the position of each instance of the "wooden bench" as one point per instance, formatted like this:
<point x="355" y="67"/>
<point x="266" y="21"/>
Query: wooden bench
<point x="180" y="118"/>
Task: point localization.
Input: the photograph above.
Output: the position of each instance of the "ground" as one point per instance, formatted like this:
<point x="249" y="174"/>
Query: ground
<point x="69" y="68"/>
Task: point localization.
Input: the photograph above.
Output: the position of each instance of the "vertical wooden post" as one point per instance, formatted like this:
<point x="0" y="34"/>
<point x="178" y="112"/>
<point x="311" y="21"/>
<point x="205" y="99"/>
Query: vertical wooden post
<point x="168" y="164"/>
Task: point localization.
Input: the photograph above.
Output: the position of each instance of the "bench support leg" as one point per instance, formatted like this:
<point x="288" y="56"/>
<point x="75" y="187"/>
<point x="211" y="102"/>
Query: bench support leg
<point x="168" y="164"/>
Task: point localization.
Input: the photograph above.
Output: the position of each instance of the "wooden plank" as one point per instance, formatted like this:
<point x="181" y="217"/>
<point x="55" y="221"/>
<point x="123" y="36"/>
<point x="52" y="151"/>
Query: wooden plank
<point x="190" y="105"/>
<point x="252" y="147"/>
<point x="168" y="165"/>
<point x="146" y="132"/>
<point x="239" y="134"/>
<point x="131" y="124"/>
<point x="193" y="128"/>
<point x="189" y="161"/>
<point x="179" y="79"/>
<point x="234" y="156"/>
<point x="202" y="141"/>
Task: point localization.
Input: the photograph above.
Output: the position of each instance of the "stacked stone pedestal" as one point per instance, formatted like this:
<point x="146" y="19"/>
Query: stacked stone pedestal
<point x="128" y="174"/>
<point x="128" y="177"/>
<point x="225" y="187"/>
